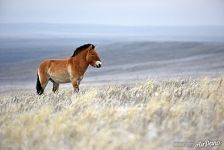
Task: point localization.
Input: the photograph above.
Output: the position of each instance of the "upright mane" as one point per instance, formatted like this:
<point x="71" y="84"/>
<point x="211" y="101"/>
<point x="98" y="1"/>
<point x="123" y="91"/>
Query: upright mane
<point x="82" y="48"/>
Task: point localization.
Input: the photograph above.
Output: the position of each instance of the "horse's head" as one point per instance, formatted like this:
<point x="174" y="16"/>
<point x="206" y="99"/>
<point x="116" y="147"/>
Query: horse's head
<point x="93" y="58"/>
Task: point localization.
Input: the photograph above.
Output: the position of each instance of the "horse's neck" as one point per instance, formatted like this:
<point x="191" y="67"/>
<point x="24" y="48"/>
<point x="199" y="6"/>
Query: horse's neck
<point x="80" y="62"/>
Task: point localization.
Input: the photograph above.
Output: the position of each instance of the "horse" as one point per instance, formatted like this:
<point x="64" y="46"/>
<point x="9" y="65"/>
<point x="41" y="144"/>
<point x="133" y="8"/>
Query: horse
<point x="69" y="70"/>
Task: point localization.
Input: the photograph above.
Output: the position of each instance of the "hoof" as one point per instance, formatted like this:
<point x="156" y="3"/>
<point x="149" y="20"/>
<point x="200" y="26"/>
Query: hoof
<point x="40" y="92"/>
<point x="76" y="90"/>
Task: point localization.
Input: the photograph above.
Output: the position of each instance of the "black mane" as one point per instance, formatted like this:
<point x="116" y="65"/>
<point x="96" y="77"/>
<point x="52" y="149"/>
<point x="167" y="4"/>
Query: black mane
<point x="81" y="48"/>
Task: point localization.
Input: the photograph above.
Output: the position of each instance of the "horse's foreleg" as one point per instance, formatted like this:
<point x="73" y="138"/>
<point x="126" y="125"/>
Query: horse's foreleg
<point x="75" y="84"/>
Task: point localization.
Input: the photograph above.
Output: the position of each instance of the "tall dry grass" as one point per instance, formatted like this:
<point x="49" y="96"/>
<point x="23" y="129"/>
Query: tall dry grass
<point x="146" y="115"/>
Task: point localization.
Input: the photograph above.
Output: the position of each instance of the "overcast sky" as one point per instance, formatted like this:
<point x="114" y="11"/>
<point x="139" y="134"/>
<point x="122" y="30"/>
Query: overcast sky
<point x="115" y="12"/>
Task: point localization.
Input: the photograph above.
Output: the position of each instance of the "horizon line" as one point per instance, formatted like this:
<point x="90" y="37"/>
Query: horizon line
<point x="115" y="25"/>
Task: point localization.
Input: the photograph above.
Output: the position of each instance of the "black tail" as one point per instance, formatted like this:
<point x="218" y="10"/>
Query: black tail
<point x="38" y="86"/>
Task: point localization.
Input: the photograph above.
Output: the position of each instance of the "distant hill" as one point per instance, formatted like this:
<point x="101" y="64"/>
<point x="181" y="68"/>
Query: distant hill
<point x="121" y="60"/>
<point x="108" y="33"/>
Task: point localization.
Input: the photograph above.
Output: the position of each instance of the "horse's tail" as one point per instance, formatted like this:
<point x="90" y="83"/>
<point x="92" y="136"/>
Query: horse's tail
<point x="39" y="88"/>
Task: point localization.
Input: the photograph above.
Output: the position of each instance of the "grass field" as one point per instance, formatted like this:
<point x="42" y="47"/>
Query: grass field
<point x="168" y="114"/>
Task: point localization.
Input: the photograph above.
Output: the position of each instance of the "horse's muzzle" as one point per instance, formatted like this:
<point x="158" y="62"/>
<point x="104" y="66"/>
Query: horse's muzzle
<point x="98" y="64"/>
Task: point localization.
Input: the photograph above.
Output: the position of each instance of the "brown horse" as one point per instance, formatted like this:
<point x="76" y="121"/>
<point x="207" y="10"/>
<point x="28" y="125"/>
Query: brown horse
<point x="70" y="70"/>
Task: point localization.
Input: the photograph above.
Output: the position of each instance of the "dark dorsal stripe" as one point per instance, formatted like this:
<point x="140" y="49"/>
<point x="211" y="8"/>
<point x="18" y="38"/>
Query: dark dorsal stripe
<point x="81" y="48"/>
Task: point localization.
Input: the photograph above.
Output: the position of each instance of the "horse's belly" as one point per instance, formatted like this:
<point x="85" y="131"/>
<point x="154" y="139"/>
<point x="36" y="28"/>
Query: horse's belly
<point x="60" y="78"/>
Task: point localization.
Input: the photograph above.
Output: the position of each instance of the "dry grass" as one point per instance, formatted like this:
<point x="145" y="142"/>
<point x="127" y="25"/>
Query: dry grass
<point x="150" y="115"/>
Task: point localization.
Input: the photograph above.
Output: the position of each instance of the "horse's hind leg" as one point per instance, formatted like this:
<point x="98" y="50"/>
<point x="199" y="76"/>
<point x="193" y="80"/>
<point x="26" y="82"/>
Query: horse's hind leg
<point x="55" y="87"/>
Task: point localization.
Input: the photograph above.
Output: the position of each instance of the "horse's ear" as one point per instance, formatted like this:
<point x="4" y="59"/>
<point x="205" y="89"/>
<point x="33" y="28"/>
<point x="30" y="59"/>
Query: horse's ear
<point x="91" y="47"/>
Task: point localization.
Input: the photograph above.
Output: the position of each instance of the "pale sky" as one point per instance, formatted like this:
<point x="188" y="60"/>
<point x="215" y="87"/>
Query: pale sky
<point x="115" y="12"/>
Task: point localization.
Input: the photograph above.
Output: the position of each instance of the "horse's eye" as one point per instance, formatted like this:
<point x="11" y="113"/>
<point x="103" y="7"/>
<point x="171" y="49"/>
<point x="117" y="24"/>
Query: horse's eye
<point x="92" y="54"/>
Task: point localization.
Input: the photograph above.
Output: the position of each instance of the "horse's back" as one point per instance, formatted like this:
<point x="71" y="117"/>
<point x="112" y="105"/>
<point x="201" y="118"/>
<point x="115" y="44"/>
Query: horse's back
<point x="53" y="63"/>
